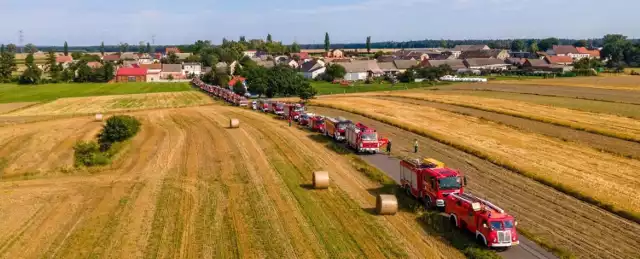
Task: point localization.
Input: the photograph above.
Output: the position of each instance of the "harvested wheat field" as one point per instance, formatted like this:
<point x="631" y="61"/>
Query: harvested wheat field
<point x="8" y="107"/>
<point x="187" y="186"/>
<point x="572" y="167"/>
<point x="588" y="93"/>
<point x="115" y="103"/>
<point x="575" y="226"/>
<point x="605" y="124"/>
<point x="620" y="82"/>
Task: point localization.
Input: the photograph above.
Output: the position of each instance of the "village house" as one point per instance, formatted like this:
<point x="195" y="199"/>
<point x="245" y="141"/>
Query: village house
<point x="192" y="69"/>
<point x="459" y="49"/>
<point x="336" y="53"/>
<point x="410" y="55"/>
<point x="94" y="64"/>
<point x="130" y="56"/>
<point x="522" y="54"/>
<point x="284" y="60"/>
<point x="171" y="70"/>
<point x="112" y="58"/>
<point x="312" y="69"/>
<point x="455" y="64"/>
<point x="403" y="65"/>
<point x="250" y="53"/>
<point x="568" y="51"/>
<point x="235" y="79"/>
<point x="388" y="67"/>
<point x="171" y="49"/>
<point x="534" y="64"/>
<point x="145" y="58"/>
<point x="485" y="53"/>
<point x="360" y="69"/>
<point x="153" y="71"/>
<point x="64" y="60"/>
<point x="589" y="53"/>
<point x="302" y="56"/>
<point x="559" y="60"/>
<point x="492" y="64"/>
<point x="130" y="74"/>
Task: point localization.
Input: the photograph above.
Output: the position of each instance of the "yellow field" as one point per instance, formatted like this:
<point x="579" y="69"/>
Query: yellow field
<point x="8" y="107"/>
<point x="606" y="124"/>
<point x="115" y="103"/>
<point x="188" y="187"/>
<point x="618" y="82"/>
<point x="609" y="179"/>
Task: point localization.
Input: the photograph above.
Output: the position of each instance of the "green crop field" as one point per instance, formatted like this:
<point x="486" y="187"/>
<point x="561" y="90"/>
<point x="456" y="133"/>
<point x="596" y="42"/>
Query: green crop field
<point x="325" y="88"/>
<point x="34" y="93"/>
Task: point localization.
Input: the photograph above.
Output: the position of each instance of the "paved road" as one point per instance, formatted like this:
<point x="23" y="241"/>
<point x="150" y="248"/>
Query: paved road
<point x="527" y="249"/>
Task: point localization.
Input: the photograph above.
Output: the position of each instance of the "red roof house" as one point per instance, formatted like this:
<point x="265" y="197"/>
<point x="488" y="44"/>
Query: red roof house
<point x="131" y="74"/>
<point x="592" y="53"/>
<point x="236" y="79"/>
<point x="64" y="59"/>
<point x="172" y="49"/>
<point x="559" y="60"/>
<point x="302" y="55"/>
<point x="114" y="57"/>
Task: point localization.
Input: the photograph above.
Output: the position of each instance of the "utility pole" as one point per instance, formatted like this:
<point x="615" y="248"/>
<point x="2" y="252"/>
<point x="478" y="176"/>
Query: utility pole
<point x="21" y="40"/>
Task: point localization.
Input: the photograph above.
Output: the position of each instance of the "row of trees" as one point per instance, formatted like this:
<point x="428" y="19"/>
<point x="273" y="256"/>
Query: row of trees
<point x="428" y="73"/>
<point x="620" y="51"/>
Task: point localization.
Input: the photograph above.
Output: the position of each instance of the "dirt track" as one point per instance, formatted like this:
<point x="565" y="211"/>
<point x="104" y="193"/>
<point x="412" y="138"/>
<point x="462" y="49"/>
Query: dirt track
<point x="188" y="187"/>
<point x="625" y="96"/>
<point x="585" y="230"/>
<point x="599" y="142"/>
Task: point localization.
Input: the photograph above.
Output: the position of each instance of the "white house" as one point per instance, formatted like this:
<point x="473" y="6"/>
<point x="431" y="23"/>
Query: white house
<point x="486" y="64"/>
<point x="153" y="71"/>
<point x="567" y="50"/>
<point x="250" y="53"/>
<point x="360" y="69"/>
<point x="312" y="69"/>
<point x="192" y="68"/>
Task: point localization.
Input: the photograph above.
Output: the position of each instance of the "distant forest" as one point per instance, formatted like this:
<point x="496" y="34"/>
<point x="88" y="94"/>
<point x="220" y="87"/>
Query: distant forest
<point x="505" y="44"/>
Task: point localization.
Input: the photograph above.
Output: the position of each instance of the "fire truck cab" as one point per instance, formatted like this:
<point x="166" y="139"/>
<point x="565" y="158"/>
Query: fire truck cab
<point x="430" y="181"/>
<point x="362" y="138"/>
<point x="305" y="119"/>
<point x="336" y="128"/>
<point x="490" y="224"/>
<point x="264" y="105"/>
<point x="277" y="108"/>
<point x="317" y="124"/>
<point x="294" y="110"/>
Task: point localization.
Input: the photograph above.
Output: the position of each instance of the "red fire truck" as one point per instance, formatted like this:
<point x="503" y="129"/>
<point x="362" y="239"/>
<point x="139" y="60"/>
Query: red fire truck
<point x="243" y="102"/>
<point x="264" y="105"/>
<point x="336" y="128"/>
<point x="294" y="110"/>
<point x="277" y="108"/>
<point x="429" y="181"/>
<point x="362" y="138"/>
<point x="305" y="119"/>
<point x="491" y="225"/>
<point x="317" y="124"/>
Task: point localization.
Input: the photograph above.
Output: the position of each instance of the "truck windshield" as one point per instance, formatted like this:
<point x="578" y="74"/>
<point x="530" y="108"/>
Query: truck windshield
<point x="370" y="137"/>
<point x="298" y="110"/>
<point x="501" y="225"/>
<point x="450" y="183"/>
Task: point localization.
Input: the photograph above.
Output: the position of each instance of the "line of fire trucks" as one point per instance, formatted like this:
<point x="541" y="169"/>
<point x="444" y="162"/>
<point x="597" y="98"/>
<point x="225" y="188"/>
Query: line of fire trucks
<point x="428" y="180"/>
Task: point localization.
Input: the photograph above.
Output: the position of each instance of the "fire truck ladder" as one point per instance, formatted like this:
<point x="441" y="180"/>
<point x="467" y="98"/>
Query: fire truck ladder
<point x="470" y="198"/>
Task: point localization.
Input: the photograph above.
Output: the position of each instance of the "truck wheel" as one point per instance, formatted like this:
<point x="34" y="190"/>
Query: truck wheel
<point x="427" y="203"/>
<point x="481" y="240"/>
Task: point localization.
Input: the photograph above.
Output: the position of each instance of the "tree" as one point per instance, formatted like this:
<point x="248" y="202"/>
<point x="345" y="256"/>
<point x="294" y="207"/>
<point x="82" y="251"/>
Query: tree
<point x="208" y="77"/>
<point x="52" y="66"/>
<point x="378" y="54"/>
<point x="102" y="48"/>
<point x="222" y="79"/>
<point x="243" y="39"/>
<point x="141" y="47"/>
<point x="368" y="44"/>
<point x="172" y="58"/>
<point x="334" y="71"/>
<point x="76" y="55"/>
<point x="533" y="47"/>
<point x="295" y="48"/>
<point x="614" y="48"/>
<point x="84" y="73"/>
<point x="7" y="65"/>
<point x="327" y="43"/>
<point x="30" y="48"/>
<point x="32" y="74"/>
<point x="269" y="39"/>
<point x="257" y="80"/>
<point x="443" y="44"/>
<point x="12" y="48"/>
<point x="66" y="49"/>
<point x="517" y="45"/>
<point x="408" y="76"/>
<point x="148" y="49"/>
<point x="123" y="47"/>
<point x="238" y="88"/>
<point x="307" y="91"/>
<point x="580" y="43"/>
<point x="170" y="77"/>
<point x="109" y="70"/>
<point x="548" y="43"/>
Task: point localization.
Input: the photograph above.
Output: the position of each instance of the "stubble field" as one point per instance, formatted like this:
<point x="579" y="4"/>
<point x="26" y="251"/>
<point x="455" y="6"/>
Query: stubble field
<point x="188" y="187"/>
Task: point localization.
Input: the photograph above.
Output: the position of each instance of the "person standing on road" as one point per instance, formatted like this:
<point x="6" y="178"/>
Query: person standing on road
<point x="415" y="146"/>
<point x="389" y="147"/>
<point x="289" y="121"/>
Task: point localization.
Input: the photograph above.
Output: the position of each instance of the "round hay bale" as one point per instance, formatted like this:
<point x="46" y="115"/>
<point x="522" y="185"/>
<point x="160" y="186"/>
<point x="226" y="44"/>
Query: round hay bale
<point x="320" y="180"/>
<point x="234" y="123"/>
<point x="386" y="204"/>
<point x="98" y="116"/>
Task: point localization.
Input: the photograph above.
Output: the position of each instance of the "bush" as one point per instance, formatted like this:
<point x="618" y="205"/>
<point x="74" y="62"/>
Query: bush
<point x="87" y="153"/>
<point x="118" y="128"/>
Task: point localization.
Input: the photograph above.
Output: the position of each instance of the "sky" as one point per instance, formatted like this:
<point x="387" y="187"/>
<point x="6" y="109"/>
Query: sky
<point x="89" y="22"/>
